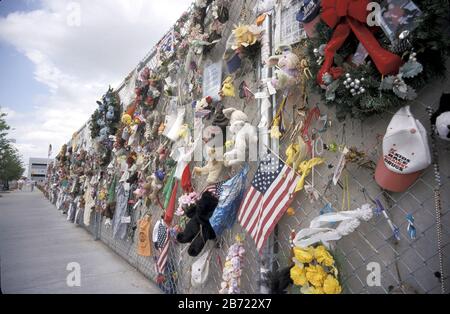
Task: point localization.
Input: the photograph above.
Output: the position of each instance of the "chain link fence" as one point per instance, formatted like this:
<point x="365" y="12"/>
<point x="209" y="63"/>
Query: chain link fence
<point x="407" y="266"/>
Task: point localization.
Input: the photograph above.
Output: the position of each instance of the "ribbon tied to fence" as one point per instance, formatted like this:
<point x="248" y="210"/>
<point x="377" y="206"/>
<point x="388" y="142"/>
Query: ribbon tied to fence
<point x="317" y="232"/>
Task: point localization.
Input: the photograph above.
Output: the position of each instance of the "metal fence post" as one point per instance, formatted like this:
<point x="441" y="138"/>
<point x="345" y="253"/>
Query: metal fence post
<point x="266" y="115"/>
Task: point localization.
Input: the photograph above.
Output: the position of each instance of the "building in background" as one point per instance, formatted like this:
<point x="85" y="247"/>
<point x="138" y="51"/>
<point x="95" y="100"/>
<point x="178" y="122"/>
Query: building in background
<point x="37" y="169"/>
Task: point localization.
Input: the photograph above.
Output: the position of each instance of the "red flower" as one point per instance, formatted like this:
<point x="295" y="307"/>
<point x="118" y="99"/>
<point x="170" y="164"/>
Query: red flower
<point x="160" y="279"/>
<point x="149" y="101"/>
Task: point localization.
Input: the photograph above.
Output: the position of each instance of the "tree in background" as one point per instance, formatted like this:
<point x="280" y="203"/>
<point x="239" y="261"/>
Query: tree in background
<point x="11" y="167"/>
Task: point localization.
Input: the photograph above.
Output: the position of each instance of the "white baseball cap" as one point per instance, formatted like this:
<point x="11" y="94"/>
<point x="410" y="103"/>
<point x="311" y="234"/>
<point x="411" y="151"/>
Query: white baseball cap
<point x="405" y="152"/>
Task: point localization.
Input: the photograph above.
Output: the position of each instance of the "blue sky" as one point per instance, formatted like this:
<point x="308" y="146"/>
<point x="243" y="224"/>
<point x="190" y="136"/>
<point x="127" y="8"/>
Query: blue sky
<point x="18" y="88"/>
<point x="8" y="6"/>
<point x="52" y="69"/>
<point x="15" y="67"/>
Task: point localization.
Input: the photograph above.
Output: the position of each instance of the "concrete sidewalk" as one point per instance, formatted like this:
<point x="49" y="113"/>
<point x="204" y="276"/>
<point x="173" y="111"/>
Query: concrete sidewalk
<point x="37" y="244"/>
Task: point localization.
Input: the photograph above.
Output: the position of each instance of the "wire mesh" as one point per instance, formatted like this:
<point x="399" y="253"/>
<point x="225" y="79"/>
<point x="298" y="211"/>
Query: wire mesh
<point x="405" y="263"/>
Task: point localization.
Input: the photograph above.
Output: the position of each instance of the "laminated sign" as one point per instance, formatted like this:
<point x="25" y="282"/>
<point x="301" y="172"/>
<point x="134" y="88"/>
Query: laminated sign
<point x="212" y="80"/>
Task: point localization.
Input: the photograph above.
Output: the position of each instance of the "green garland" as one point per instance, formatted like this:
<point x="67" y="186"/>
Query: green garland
<point x="430" y="40"/>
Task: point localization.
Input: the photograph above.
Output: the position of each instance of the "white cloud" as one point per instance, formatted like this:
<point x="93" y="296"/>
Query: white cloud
<point x="77" y="63"/>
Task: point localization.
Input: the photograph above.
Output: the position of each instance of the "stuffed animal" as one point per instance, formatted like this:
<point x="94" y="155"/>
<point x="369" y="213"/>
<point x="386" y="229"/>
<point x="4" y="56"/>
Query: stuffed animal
<point x="286" y="62"/>
<point x="219" y="120"/>
<point x="244" y="136"/>
<point x="153" y="186"/>
<point x="198" y="230"/>
<point x="203" y="107"/>
<point x="152" y="123"/>
<point x="278" y="281"/>
<point x="441" y="118"/>
<point x="163" y="153"/>
<point x="228" y="88"/>
<point x="213" y="168"/>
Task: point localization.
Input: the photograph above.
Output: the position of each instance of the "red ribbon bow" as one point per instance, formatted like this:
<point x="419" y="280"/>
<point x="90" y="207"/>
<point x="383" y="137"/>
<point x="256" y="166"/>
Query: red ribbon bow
<point x="351" y="15"/>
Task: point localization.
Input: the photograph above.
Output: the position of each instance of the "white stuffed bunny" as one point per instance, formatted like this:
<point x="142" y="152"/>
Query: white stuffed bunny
<point x="244" y="137"/>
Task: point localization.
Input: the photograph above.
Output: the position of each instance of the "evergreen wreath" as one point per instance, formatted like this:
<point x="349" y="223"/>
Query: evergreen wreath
<point x="427" y="48"/>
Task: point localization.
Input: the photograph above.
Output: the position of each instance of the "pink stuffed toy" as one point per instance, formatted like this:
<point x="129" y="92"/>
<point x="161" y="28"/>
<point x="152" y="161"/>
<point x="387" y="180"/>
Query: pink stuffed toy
<point x="286" y="62"/>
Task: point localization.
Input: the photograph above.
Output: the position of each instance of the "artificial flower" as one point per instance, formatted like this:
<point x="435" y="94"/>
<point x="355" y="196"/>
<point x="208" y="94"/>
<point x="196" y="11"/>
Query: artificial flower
<point x="260" y="19"/>
<point x="126" y="119"/>
<point x="102" y="195"/>
<point x="312" y="290"/>
<point x="185" y="201"/>
<point x="331" y="285"/>
<point x="232" y="270"/>
<point x="246" y="35"/>
<point x="161" y="128"/>
<point x="304" y="255"/>
<point x="323" y="256"/>
<point x="298" y="275"/>
<point x="316" y="275"/>
<point x="290" y="211"/>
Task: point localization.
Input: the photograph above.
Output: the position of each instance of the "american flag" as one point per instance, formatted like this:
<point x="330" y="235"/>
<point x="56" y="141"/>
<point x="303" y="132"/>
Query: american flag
<point x="215" y="189"/>
<point x="167" y="44"/>
<point x="269" y="196"/>
<point x="164" y="240"/>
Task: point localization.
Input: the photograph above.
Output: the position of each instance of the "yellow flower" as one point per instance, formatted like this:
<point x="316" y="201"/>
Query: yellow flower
<point x="240" y="30"/>
<point x="304" y="255"/>
<point x="315" y="290"/>
<point x="323" y="256"/>
<point x="245" y="35"/>
<point x="298" y="276"/>
<point x="102" y="195"/>
<point x="290" y="211"/>
<point x="311" y="290"/>
<point x="316" y="275"/>
<point x="126" y="119"/>
<point x="331" y="285"/>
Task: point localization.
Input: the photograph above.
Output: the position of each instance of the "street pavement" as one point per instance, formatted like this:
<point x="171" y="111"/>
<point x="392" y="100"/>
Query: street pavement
<point x="37" y="244"/>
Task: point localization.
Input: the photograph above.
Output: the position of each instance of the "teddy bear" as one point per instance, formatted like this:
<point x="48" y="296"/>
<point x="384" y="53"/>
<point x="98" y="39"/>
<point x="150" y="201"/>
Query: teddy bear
<point x="278" y="280"/>
<point x="154" y="185"/>
<point x="198" y="230"/>
<point x="286" y="74"/>
<point x="152" y="123"/>
<point x="220" y="121"/>
<point x="245" y="138"/>
<point x="213" y="168"/>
